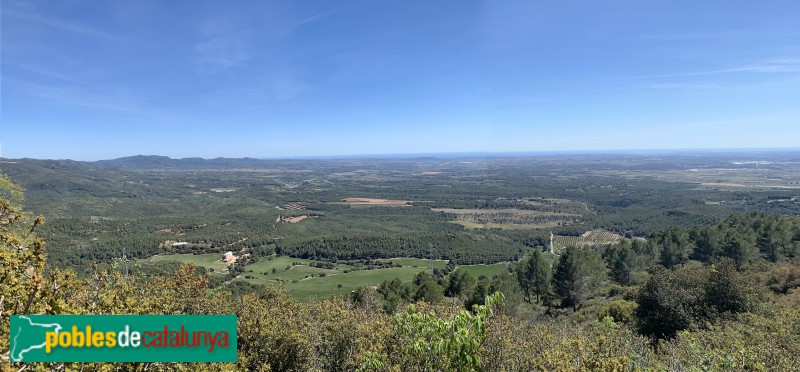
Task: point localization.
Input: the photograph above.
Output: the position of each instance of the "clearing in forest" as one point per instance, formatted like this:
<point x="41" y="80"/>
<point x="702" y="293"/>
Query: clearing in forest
<point x="304" y="279"/>
<point x="373" y="201"/>
<point x="209" y="261"/>
<point x="588" y="239"/>
<point x="220" y="189"/>
<point x="292" y="219"/>
<point x="509" y="218"/>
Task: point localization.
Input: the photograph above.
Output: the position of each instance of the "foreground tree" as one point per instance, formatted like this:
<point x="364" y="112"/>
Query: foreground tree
<point x="674" y="246"/>
<point x="460" y="284"/>
<point x="506" y="284"/>
<point x="621" y="260"/>
<point x="708" y="244"/>
<point x="427" y="288"/>
<point x="577" y="276"/>
<point x="690" y="297"/>
<point x="741" y="247"/>
<point x="22" y="254"/>
<point x="728" y="291"/>
<point x="670" y="301"/>
<point x="22" y="258"/>
<point x="429" y="342"/>
<point x="395" y="293"/>
<point x="534" y="276"/>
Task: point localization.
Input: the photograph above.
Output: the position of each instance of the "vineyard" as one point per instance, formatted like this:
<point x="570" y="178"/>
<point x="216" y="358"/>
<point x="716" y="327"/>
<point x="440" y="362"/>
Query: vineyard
<point x="509" y="218"/>
<point x="589" y="238"/>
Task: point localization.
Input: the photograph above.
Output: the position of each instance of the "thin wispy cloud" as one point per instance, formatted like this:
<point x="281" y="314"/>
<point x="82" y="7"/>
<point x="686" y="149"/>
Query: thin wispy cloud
<point x="776" y="65"/>
<point x="122" y="103"/>
<point x="690" y="36"/>
<point x="279" y="85"/>
<point x="685" y="86"/>
<point x="43" y="72"/>
<point x="224" y="42"/>
<point x="783" y="118"/>
<point x="224" y="51"/>
<point x="707" y="36"/>
<point x="229" y="46"/>
<point x="311" y="19"/>
<point x="284" y="86"/>
<point x="70" y="96"/>
<point x="62" y="25"/>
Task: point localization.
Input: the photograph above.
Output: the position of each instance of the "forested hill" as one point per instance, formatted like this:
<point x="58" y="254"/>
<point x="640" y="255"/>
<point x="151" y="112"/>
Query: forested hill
<point x="163" y="162"/>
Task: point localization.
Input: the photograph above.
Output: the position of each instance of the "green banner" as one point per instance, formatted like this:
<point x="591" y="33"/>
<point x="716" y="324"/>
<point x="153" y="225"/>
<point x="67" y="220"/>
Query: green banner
<point x="123" y="338"/>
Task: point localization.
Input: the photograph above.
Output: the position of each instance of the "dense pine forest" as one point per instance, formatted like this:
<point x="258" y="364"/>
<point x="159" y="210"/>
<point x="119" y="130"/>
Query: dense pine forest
<point x="702" y="273"/>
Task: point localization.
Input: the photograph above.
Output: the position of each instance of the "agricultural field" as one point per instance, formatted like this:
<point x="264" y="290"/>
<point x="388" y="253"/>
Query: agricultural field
<point x="485" y="270"/>
<point x="302" y="280"/>
<point x="509" y="218"/>
<point x="292" y="219"/>
<point x="417" y="262"/>
<point x="376" y="202"/>
<point x="730" y="175"/>
<point x="293" y="272"/>
<point x="305" y="281"/>
<point x="211" y="261"/>
<point x="588" y="239"/>
<point x="330" y="284"/>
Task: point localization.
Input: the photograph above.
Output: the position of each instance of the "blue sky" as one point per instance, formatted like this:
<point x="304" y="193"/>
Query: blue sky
<point x="104" y="79"/>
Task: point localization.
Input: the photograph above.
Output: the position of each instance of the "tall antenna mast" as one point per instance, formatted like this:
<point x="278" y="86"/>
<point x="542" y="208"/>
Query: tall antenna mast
<point x="552" y="251"/>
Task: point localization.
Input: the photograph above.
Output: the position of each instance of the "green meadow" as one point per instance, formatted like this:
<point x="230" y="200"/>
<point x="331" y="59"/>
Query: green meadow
<point x="304" y="281"/>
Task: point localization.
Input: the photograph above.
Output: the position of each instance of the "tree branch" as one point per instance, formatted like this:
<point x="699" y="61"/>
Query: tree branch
<point x="30" y="301"/>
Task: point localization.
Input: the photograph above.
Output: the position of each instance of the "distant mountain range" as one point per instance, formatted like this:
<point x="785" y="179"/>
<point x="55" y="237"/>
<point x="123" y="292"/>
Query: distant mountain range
<point x="160" y="162"/>
<point x="142" y="162"/>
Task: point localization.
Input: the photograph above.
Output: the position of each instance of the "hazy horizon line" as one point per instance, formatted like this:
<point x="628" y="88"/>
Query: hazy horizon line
<point x="458" y="154"/>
